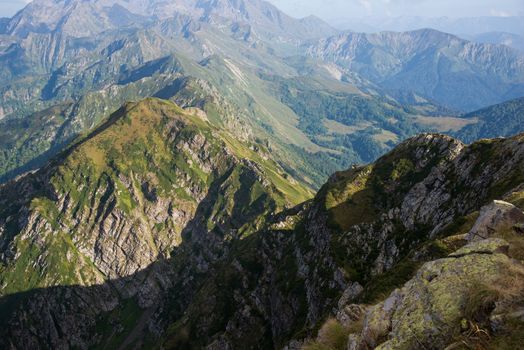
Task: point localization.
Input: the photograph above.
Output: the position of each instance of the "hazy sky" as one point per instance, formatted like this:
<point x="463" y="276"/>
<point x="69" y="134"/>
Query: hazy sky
<point x="336" y="9"/>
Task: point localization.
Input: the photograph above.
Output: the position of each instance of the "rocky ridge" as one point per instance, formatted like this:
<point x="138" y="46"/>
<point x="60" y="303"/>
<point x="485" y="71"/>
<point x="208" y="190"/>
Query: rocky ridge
<point x="367" y="230"/>
<point x="109" y="212"/>
<point x="235" y="269"/>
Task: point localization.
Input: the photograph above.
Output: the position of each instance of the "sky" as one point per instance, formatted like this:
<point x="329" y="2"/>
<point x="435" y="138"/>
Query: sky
<point x="9" y="7"/>
<point x="337" y="9"/>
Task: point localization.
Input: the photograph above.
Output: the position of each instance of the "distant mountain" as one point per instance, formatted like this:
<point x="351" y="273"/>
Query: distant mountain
<point x="439" y="66"/>
<point x="226" y="71"/>
<point x="501" y="38"/>
<point x="84" y="18"/>
<point x="501" y="120"/>
<point x="470" y="26"/>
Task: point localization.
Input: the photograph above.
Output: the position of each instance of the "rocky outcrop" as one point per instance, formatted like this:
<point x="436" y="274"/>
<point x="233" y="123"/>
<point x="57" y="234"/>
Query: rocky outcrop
<point x="428" y="310"/>
<point x="495" y="217"/>
<point x="472" y="297"/>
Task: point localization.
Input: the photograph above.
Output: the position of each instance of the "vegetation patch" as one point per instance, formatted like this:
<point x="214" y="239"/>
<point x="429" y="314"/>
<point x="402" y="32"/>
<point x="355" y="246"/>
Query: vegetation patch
<point x="331" y="336"/>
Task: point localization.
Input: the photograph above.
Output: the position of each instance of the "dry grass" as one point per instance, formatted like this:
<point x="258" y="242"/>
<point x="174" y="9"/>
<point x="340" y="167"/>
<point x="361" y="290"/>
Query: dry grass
<point x="332" y="336"/>
<point x="339" y="128"/>
<point x="508" y="290"/>
<point x="516" y="242"/>
<point x="507" y="293"/>
<point x="384" y="136"/>
<point x="443" y="124"/>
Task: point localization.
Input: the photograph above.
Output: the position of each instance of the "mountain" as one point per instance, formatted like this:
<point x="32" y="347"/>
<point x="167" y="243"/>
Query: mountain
<point x="241" y="82"/>
<point x="128" y="194"/>
<point x="438" y="66"/>
<point x="500" y="38"/>
<point x="81" y="18"/>
<point x="462" y="26"/>
<point x="158" y="229"/>
<point x="501" y="120"/>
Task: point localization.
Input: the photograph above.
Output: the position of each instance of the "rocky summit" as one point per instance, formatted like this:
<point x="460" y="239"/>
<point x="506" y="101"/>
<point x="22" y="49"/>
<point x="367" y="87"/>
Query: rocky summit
<point x="159" y="229"/>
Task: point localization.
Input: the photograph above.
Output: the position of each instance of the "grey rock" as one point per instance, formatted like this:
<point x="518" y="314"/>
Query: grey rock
<point x="497" y="216"/>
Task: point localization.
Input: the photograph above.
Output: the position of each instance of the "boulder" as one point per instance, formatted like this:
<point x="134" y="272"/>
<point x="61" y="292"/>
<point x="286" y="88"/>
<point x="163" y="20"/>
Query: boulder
<point x="427" y="309"/>
<point x="494" y="217"/>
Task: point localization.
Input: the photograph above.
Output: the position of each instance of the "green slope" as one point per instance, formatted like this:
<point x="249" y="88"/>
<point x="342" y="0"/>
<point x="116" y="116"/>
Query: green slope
<point x="146" y="155"/>
<point x="502" y="120"/>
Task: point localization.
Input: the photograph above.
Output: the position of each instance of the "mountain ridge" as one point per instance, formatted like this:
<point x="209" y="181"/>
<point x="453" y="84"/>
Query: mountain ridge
<point x="169" y="292"/>
<point x="94" y="17"/>
<point x="399" y="61"/>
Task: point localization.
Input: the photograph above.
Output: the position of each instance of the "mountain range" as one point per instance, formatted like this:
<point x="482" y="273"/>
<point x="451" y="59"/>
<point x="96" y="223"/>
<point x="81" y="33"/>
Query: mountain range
<point x="87" y="18"/>
<point x="509" y="39"/>
<point x="217" y="174"/>
<point x="430" y="63"/>
<point x="246" y="57"/>
<point x="461" y="26"/>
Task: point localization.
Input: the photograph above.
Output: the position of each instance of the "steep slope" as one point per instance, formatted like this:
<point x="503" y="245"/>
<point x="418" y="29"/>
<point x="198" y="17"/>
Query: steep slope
<point x="150" y="179"/>
<point x="365" y="233"/>
<point x="365" y="230"/>
<point x="439" y="66"/>
<point x="501" y="120"/>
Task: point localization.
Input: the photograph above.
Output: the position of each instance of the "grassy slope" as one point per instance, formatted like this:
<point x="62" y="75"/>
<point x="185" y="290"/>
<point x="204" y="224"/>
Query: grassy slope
<point x="501" y="120"/>
<point x="133" y="146"/>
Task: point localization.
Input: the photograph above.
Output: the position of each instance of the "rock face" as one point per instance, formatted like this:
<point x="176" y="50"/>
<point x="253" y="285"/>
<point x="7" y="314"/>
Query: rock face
<point x="495" y="217"/>
<point x="159" y="229"/>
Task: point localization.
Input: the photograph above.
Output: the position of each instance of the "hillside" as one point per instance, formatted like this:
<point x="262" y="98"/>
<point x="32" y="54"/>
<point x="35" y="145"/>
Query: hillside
<point x="159" y="228"/>
<point x="501" y="120"/>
